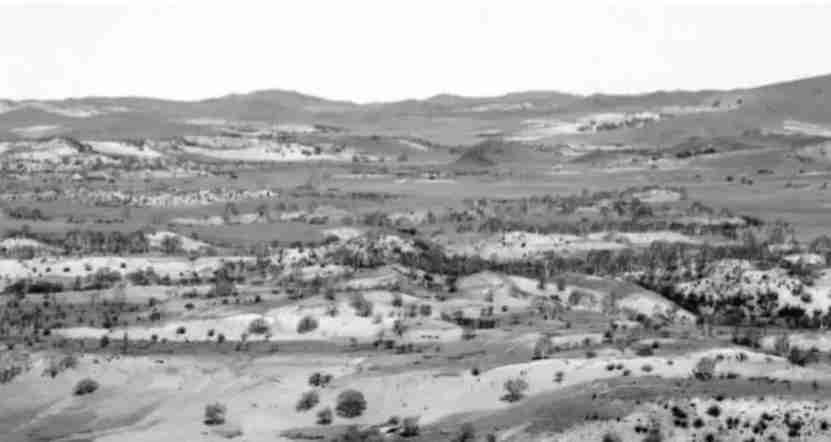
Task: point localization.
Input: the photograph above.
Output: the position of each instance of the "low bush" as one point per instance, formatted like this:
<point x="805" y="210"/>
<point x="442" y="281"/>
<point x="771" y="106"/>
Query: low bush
<point x="361" y="305"/>
<point x="645" y="351"/>
<point x="308" y="400"/>
<point x="409" y="427"/>
<point x="705" y="369"/>
<point x="611" y="437"/>
<point x="215" y="414"/>
<point x="798" y="356"/>
<point x="57" y="366"/>
<point x="258" y="326"/>
<point x="85" y="386"/>
<point x="306" y="325"/>
<point x="353" y="434"/>
<point x="467" y="433"/>
<point x="319" y="379"/>
<point x="324" y="416"/>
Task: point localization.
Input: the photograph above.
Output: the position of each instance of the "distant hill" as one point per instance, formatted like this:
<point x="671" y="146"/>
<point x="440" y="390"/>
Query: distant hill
<point x="802" y="101"/>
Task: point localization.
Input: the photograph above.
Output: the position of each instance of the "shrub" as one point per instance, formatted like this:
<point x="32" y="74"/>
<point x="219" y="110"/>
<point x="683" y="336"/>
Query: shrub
<point x="324" y="416"/>
<point x="215" y="414"/>
<point x="467" y="433"/>
<point x="646" y="368"/>
<point x="9" y="372"/>
<point x="308" y="400"/>
<point x="353" y="434"/>
<point x="542" y="348"/>
<point x="258" y="326"/>
<point x="56" y="366"/>
<point x="705" y="369"/>
<point x="362" y="306"/>
<point x="306" y="325"/>
<point x="425" y="309"/>
<point x="781" y="345"/>
<point x="802" y="357"/>
<point x="653" y="434"/>
<point x="329" y="294"/>
<point x="515" y="389"/>
<point x="611" y="437"/>
<point x="181" y="330"/>
<point x="85" y="386"/>
<point x="409" y="427"/>
<point x="398" y="327"/>
<point x="319" y="379"/>
<point x="644" y="351"/>
<point x="350" y="404"/>
<point x="748" y="337"/>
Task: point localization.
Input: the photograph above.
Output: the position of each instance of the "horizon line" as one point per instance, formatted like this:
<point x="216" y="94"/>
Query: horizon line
<point x="427" y="98"/>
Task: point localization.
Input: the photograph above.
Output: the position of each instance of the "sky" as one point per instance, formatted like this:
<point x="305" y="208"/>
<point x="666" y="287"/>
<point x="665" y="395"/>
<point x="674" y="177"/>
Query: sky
<point x="384" y="50"/>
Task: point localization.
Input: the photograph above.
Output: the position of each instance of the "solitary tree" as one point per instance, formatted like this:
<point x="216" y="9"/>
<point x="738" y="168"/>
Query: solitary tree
<point x="515" y="389"/>
<point x="350" y="404"/>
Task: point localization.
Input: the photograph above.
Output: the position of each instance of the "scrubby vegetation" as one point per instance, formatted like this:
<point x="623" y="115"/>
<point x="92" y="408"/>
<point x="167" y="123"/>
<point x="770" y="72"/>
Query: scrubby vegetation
<point x="85" y="386"/>
<point x="307" y="401"/>
<point x="514" y="389"/>
<point x="350" y="404"/>
<point x="215" y="414"/>
<point x="163" y="284"/>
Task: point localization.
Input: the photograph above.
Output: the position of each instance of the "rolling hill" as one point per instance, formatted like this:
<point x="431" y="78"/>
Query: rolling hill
<point x="706" y="113"/>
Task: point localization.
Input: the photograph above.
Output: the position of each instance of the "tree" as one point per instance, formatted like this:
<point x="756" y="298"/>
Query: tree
<point x="542" y="348"/>
<point x="350" y="404"/>
<point x="821" y="246"/>
<point x="306" y="324"/>
<point x="515" y="389"/>
<point x="215" y="414"/>
<point x="362" y="306"/>
<point x="171" y="244"/>
<point x="705" y="369"/>
<point x="258" y="326"/>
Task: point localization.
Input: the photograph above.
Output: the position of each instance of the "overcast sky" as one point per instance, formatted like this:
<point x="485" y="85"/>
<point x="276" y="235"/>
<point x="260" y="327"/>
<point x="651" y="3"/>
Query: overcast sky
<point x="391" y="49"/>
